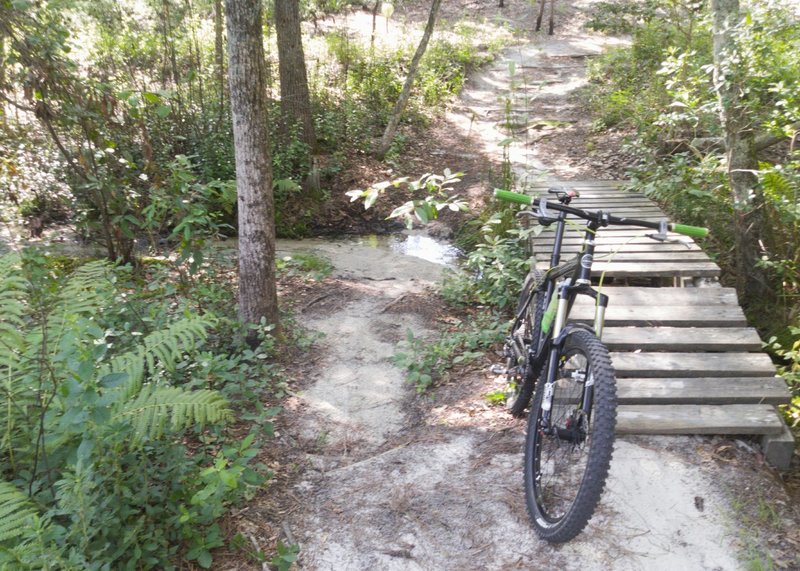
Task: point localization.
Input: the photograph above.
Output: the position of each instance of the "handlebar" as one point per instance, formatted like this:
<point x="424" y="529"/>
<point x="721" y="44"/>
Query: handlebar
<point x="603" y="218"/>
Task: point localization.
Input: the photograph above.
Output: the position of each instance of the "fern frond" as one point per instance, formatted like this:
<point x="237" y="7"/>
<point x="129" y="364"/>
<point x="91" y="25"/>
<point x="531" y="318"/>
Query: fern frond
<point x="131" y="363"/>
<point x="87" y="289"/>
<point x="163" y="347"/>
<point x="15" y="508"/>
<point x="157" y="410"/>
<point x="167" y="346"/>
<point x="13" y="289"/>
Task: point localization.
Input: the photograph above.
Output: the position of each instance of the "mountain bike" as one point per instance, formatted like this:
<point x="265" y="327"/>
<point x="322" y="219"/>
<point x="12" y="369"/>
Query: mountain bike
<point x="564" y="367"/>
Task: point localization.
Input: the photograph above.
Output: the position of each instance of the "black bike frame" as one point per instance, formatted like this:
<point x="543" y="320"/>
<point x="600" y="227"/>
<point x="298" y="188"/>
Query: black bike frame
<point x="577" y="274"/>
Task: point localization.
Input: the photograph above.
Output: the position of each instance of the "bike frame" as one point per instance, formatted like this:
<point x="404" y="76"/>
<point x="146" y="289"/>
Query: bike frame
<point x="554" y="324"/>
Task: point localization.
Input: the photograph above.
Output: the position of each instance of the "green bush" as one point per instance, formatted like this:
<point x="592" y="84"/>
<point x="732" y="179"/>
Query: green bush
<point x="101" y="460"/>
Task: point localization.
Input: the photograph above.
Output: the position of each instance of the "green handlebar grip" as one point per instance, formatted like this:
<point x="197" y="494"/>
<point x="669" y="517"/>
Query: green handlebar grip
<point x="513" y="196"/>
<point x="693" y="231"/>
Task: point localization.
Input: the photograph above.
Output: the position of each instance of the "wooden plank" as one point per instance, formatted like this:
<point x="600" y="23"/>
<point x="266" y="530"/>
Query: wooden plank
<point x="683" y="365"/>
<point x="664" y="316"/>
<point x="685" y="255"/>
<point x="610" y="233"/>
<point x="636" y="237"/>
<point x="650" y="269"/>
<point x="705" y="390"/>
<point x="704" y="296"/>
<point x="601" y="202"/>
<point x="650" y="246"/>
<point x="646" y="216"/>
<point x="698" y="419"/>
<point x="681" y="339"/>
<point x="612" y="185"/>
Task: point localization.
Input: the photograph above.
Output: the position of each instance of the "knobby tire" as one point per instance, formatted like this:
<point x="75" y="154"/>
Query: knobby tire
<point x="565" y="473"/>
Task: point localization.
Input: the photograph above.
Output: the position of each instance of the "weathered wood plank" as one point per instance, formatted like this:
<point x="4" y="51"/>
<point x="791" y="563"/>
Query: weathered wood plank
<point x="650" y="246"/>
<point x="617" y="201"/>
<point x="651" y="269"/>
<point x="681" y="339"/>
<point x="647" y="216"/>
<point x="664" y="316"/>
<point x="687" y="256"/>
<point x="673" y="296"/>
<point x="698" y="419"/>
<point x="683" y="365"/>
<point x="607" y="233"/>
<point x="612" y="185"/>
<point x="705" y="390"/>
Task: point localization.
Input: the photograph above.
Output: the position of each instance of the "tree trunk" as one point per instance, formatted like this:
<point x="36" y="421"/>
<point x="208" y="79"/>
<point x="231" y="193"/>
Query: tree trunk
<point x="246" y="69"/>
<point x="752" y="281"/>
<point x="405" y="94"/>
<point x="219" y="57"/>
<point x="295" y="99"/>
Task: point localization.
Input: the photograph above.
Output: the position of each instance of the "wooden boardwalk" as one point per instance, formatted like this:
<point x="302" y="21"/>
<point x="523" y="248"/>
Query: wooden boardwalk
<point x="685" y="358"/>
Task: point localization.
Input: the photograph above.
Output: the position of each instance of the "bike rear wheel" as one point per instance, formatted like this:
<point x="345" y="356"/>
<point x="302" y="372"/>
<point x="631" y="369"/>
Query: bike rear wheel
<point x="566" y="464"/>
<point x="521" y="379"/>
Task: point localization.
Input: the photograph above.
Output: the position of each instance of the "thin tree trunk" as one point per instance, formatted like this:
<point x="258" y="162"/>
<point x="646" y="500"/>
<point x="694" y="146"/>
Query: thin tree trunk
<point x="374" y="24"/>
<point x="540" y="16"/>
<point x="3" y="118"/>
<point x="194" y="45"/>
<point x="752" y="282"/>
<point x="405" y="94"/>
<point x="295" y="98"/>
<point x="246" y="69"/>
<point x="219" y="58"/>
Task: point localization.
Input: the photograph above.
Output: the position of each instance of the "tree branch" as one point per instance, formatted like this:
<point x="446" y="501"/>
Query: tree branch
<point x="766" y="141"/>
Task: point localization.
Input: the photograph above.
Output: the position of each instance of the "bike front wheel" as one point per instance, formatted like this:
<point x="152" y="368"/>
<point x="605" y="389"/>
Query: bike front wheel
<point x="567" y="460"/>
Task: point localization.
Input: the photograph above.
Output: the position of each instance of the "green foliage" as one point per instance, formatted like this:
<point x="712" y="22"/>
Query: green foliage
<point x="788" y="351"/>
<point x="676" y="104"/>
<point x="190" y="211"/>
<point x="358" y="103"/>
<point x="422" y="210"/>
<point x="101" y="393"/>
<point x="425" y="360"/>
<point x="616" y="91"/>
<point x="285" y="557"/>
<point x="495" y="268"/>
<point x="624" y="17"/>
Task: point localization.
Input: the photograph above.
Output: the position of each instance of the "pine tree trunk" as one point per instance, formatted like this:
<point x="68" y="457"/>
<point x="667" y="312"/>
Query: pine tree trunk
<point x="405" y="94"/>
<point x="752" y="282"/>
<point x="248" y="98"/>
<point x="295" y="98"/>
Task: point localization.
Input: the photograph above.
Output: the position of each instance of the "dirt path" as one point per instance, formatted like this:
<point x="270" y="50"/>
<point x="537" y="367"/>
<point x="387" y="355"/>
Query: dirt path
<point x="389" y="480"/>
<point x="394" y="482"/>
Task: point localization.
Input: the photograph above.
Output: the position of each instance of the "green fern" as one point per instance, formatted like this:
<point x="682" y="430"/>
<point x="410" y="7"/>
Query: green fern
<point x="155" y="407"/>
<point x="15" y="509"/>
<point x="96" y="406"/>
<point x="163" y="348"/>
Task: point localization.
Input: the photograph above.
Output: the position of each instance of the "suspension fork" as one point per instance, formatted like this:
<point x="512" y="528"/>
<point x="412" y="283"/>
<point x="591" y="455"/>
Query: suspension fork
<point x="566" y="296"/>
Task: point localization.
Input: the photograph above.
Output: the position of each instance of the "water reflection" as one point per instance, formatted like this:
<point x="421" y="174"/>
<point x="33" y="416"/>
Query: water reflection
<point x="425" y="247"/>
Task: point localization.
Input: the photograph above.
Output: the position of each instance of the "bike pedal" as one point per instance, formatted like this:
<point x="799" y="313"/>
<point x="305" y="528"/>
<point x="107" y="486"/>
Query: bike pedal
<point x="498" y="369"/>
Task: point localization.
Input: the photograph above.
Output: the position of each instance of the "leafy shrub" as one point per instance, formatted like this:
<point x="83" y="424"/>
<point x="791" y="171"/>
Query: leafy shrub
<point x="426" y="360"/>
<point x="788" y="351"/>
<point x="616" y="90"/>
<point x="356" y="106"/>
<point x="96" y="395"/>
<point x="495" y="268"/>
